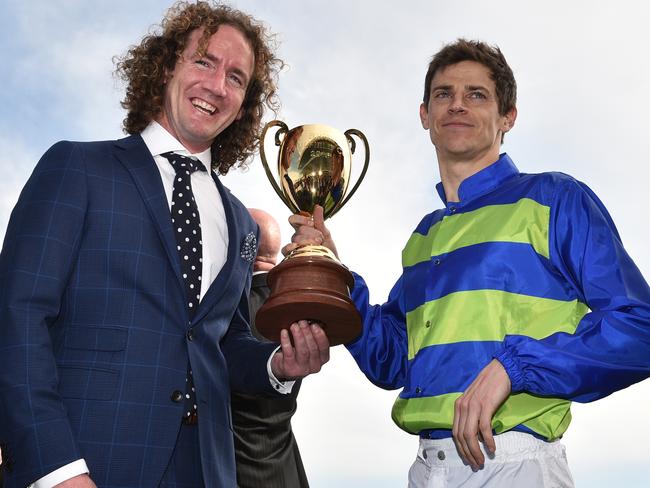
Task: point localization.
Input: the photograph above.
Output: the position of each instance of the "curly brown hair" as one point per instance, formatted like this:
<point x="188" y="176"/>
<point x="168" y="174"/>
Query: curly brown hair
<point x="144" y="68"/>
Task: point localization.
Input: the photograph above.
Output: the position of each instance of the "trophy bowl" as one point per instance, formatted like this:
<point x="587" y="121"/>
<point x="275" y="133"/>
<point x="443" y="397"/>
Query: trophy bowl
<point x="314" y="166"/>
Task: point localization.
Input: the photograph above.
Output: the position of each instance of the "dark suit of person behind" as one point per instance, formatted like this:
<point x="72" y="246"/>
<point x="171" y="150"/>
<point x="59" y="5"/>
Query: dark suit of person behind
<point x="95" y="331"/>
<point x="266" y="452"/>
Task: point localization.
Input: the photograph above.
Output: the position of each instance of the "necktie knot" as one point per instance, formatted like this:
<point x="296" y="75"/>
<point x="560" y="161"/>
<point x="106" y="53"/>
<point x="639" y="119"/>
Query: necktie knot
<point x="183" y="164"/>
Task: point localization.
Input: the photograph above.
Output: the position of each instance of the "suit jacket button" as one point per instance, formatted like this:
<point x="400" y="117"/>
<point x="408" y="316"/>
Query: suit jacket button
<point x="190" y="335"/>
<point x="177" y="396"/>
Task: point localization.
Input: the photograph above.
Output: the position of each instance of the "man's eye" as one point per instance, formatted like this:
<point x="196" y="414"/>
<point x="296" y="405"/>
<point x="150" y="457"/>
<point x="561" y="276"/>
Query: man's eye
<point x="477" y="95"/>
<point x="442" y="94"/>
<point x="236" y="80"/>
<point x="202" y="62"/>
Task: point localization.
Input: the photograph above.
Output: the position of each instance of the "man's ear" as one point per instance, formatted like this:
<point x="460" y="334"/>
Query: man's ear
<point x="509" y="120"/>
<point x="424" y="116"/>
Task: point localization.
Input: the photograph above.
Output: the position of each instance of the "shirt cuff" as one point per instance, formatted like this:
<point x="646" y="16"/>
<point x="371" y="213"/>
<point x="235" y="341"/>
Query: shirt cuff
<point x="513" y="369"/>
<point x="62" y="474"/>
<point x="283" y="387"/>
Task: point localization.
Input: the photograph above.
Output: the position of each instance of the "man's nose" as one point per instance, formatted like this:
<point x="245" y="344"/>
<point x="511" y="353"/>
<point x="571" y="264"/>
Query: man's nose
<point x="456" y="104"/>
<point x="217" y="83"/>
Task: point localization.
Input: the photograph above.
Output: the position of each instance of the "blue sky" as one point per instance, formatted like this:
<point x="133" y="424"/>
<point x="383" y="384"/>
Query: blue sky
<point x="583" y="75"/>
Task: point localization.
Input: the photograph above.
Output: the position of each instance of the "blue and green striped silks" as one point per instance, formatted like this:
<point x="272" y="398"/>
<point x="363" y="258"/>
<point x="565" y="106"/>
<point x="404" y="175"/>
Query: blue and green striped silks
<point x="467" y="314"/>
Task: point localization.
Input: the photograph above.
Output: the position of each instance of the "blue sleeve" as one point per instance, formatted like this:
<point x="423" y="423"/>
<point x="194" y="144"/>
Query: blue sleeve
<point x="36" y="262"/>
<point x="610" y="348"/>
<point x="381" y="350"/>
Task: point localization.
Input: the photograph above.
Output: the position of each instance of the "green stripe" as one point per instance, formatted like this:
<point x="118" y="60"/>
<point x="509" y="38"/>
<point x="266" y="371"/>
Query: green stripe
<point x="417" y="414"/>
<point x="548" y="417"/>
<point x="525" y="221"/>
<point x="489" y="315"/>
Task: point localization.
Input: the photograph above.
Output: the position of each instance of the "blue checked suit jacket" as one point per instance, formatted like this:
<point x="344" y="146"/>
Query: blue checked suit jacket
<point x="94" y="324"/>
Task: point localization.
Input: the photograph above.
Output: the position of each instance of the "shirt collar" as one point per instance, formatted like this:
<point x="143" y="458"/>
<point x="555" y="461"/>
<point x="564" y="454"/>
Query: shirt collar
<point x="482" y="182"/>
<point x="159" y="141"/>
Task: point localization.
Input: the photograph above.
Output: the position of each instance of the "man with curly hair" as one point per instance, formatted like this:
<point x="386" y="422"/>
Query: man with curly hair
<point x="125" y="272"/>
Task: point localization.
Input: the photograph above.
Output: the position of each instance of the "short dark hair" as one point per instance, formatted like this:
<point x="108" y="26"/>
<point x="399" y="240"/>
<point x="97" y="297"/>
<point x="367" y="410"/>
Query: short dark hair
<point x="489" y="56"/>
<point x="145" y="67"/>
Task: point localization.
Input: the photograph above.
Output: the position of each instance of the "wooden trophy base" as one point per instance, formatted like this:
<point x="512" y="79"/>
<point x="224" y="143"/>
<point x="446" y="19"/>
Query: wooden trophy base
<point x="310" y="288"/>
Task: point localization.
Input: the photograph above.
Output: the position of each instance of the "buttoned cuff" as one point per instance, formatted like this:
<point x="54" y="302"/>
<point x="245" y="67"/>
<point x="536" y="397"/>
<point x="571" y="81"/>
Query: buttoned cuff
<point x="283" y="387"/>
<point x="62" y="474"/>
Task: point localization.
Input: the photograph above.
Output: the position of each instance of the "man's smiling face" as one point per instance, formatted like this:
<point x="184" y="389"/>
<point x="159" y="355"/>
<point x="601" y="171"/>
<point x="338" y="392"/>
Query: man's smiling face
<point x="462" y="116"/>
<point x="205" y="92"/>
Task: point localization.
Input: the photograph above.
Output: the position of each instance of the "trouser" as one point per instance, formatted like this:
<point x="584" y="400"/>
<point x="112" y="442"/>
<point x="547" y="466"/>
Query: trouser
<point x="184" y="468"/>
<point x="520" y="460"/>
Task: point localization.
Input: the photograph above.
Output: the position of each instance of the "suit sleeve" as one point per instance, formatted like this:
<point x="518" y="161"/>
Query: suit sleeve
<point x="245" y="355"/>
<point x="610" y="348"/>
<point x="381" y="350"/>
<point x="37" y="259"/>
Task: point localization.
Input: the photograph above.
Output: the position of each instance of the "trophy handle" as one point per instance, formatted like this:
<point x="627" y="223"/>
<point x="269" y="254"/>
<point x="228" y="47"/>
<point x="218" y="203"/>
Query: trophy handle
<point x="282" y="130"/>
<point x="348" y="134"/>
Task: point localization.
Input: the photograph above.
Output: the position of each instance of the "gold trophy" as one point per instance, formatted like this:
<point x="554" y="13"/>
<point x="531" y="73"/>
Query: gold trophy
<point x="314" y="168"/>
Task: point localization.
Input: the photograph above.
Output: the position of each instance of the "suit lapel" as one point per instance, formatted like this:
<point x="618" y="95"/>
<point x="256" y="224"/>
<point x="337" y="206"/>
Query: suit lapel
<point x="222" y="282"/>
<point x="136" y="158"/>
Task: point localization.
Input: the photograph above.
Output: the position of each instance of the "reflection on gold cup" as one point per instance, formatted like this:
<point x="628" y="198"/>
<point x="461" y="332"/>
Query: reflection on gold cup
<point x="314" y="168"/>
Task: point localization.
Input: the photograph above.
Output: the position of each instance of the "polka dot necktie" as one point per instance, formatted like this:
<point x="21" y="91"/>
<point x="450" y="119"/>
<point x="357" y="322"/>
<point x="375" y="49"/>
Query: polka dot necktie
<point x="187" y="229"/>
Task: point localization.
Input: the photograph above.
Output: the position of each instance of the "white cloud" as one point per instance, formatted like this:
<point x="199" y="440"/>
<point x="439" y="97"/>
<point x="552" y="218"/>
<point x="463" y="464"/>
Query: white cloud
<point x="17" y="162"/>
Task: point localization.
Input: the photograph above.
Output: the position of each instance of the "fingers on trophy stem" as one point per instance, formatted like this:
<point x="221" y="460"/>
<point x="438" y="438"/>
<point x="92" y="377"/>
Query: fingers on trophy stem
<point x="297" y="220"/>
<point x="289" y="248"/>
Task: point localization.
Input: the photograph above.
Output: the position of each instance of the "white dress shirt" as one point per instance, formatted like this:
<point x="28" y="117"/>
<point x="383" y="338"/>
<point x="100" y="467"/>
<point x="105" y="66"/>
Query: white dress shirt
<point x="214" y="229"/>
<point x="214" y="233"/>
